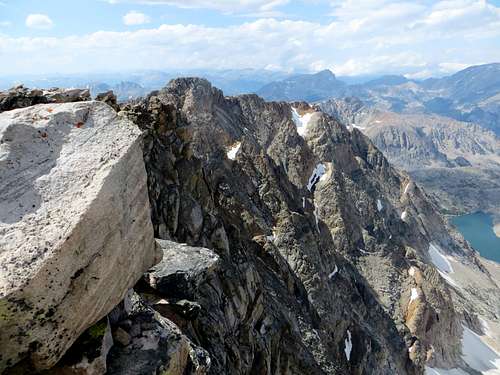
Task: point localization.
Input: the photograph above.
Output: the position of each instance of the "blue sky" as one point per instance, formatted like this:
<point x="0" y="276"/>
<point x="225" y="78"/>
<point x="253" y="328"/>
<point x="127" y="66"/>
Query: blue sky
<point x="417" y="38"/>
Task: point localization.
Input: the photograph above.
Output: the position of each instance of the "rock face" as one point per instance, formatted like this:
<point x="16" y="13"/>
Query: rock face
<point x="457" y="162"/>
<point x="315" y="234"/>
<point x="75" y="229"/>
<point x="21" y="97"/>
<point x="470" y="95"/>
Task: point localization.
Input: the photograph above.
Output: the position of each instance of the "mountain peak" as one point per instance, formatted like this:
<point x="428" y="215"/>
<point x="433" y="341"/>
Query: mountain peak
<point x="326" y="73"/>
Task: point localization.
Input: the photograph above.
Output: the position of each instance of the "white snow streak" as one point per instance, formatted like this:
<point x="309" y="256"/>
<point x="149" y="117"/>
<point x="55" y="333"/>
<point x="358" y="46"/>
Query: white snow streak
<point x="439" y="259"/>
<point x="348" y="346"/>
<point x="379" y="205"/>
<point x="442" y="264"/>
<point x="334" y="272"/>
<point x="318" y="172"/>
<point x="231" y="154"/>
<point x="354" y="126"/>
<point x="316" y="218"/>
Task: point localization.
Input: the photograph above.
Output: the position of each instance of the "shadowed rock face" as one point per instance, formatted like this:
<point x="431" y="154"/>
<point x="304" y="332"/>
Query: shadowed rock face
<point x="75" y="231"/>
<point x="304" y="271"/>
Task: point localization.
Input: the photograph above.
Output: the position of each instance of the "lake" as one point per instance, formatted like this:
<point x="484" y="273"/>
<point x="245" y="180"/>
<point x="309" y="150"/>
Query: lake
<point x="477" y="228"/>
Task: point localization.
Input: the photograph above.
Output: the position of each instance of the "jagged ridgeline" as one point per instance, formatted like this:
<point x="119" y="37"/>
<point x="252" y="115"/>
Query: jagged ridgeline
<point x="290" y="245"/>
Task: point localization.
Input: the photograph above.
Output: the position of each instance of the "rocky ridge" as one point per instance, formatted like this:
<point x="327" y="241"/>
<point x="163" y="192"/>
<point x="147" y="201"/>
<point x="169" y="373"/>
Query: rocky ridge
<point x="305" y="248"/>
<point x="459" y="163"/>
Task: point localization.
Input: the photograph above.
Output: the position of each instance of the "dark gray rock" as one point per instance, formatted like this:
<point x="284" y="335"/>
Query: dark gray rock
<point x="21" y="97"/>
<point x="153" y="345"/>
<point x="182" y="270"/>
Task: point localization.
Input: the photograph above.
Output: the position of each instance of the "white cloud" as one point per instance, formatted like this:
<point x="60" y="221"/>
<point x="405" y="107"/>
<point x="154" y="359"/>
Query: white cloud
<point x="364" y="37"/>
<point x="134" y="18"/>
<point x="451" y="67"/>
<point x="226" y="6"/>
<point x="39" y="21"/>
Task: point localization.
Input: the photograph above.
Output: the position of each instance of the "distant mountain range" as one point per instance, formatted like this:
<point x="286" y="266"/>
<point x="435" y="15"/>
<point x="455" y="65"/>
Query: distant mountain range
<point x="471" y="95"/>
<point x="307" y="87"/>
<point x="139" y="84"/>
<point x="458" y="162"/>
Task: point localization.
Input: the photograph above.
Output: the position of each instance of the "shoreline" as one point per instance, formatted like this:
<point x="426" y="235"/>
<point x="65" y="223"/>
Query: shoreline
<point x="496" y="229"/>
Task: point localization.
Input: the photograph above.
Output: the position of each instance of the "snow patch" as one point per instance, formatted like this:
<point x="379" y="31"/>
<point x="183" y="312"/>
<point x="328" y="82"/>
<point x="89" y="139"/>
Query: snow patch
<point x="233" y="151"/>
<point x="301" y="121"/>
<point x="414" y="294"/>
<point x="442" y="264"/>
<point x="379" y="205"/>
<point x="316" y="218"/>
<point x="439" y="259"/>
<point x="354" y="126"/>
<point x="303" y="202"/>
<point x="404" y="215"/>
<point x="478" y="355"/>
<point x="334" y="272"/>
<point x="318" y="172"/>
<point x="348" y="345"/>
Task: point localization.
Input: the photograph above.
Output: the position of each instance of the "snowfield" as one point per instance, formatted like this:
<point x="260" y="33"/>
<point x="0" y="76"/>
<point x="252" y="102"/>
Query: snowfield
<point x="476" y="353"/>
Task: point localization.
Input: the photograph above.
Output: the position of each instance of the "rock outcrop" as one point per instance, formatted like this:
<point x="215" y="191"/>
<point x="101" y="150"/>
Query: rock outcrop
<point x="75" y="228"/>
<point x="21" y="97"/>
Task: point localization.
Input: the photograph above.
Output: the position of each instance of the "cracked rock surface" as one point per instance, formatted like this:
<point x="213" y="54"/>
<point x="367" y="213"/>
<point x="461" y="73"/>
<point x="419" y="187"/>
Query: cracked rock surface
<point x="75" y="229"/>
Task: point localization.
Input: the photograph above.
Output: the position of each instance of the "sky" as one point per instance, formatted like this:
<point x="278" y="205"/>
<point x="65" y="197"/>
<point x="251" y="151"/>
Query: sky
<point x="419" y="38"/>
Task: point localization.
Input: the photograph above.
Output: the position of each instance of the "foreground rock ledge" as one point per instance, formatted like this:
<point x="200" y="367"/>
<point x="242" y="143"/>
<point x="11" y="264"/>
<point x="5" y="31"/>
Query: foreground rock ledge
<point x="75" y="230"/>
